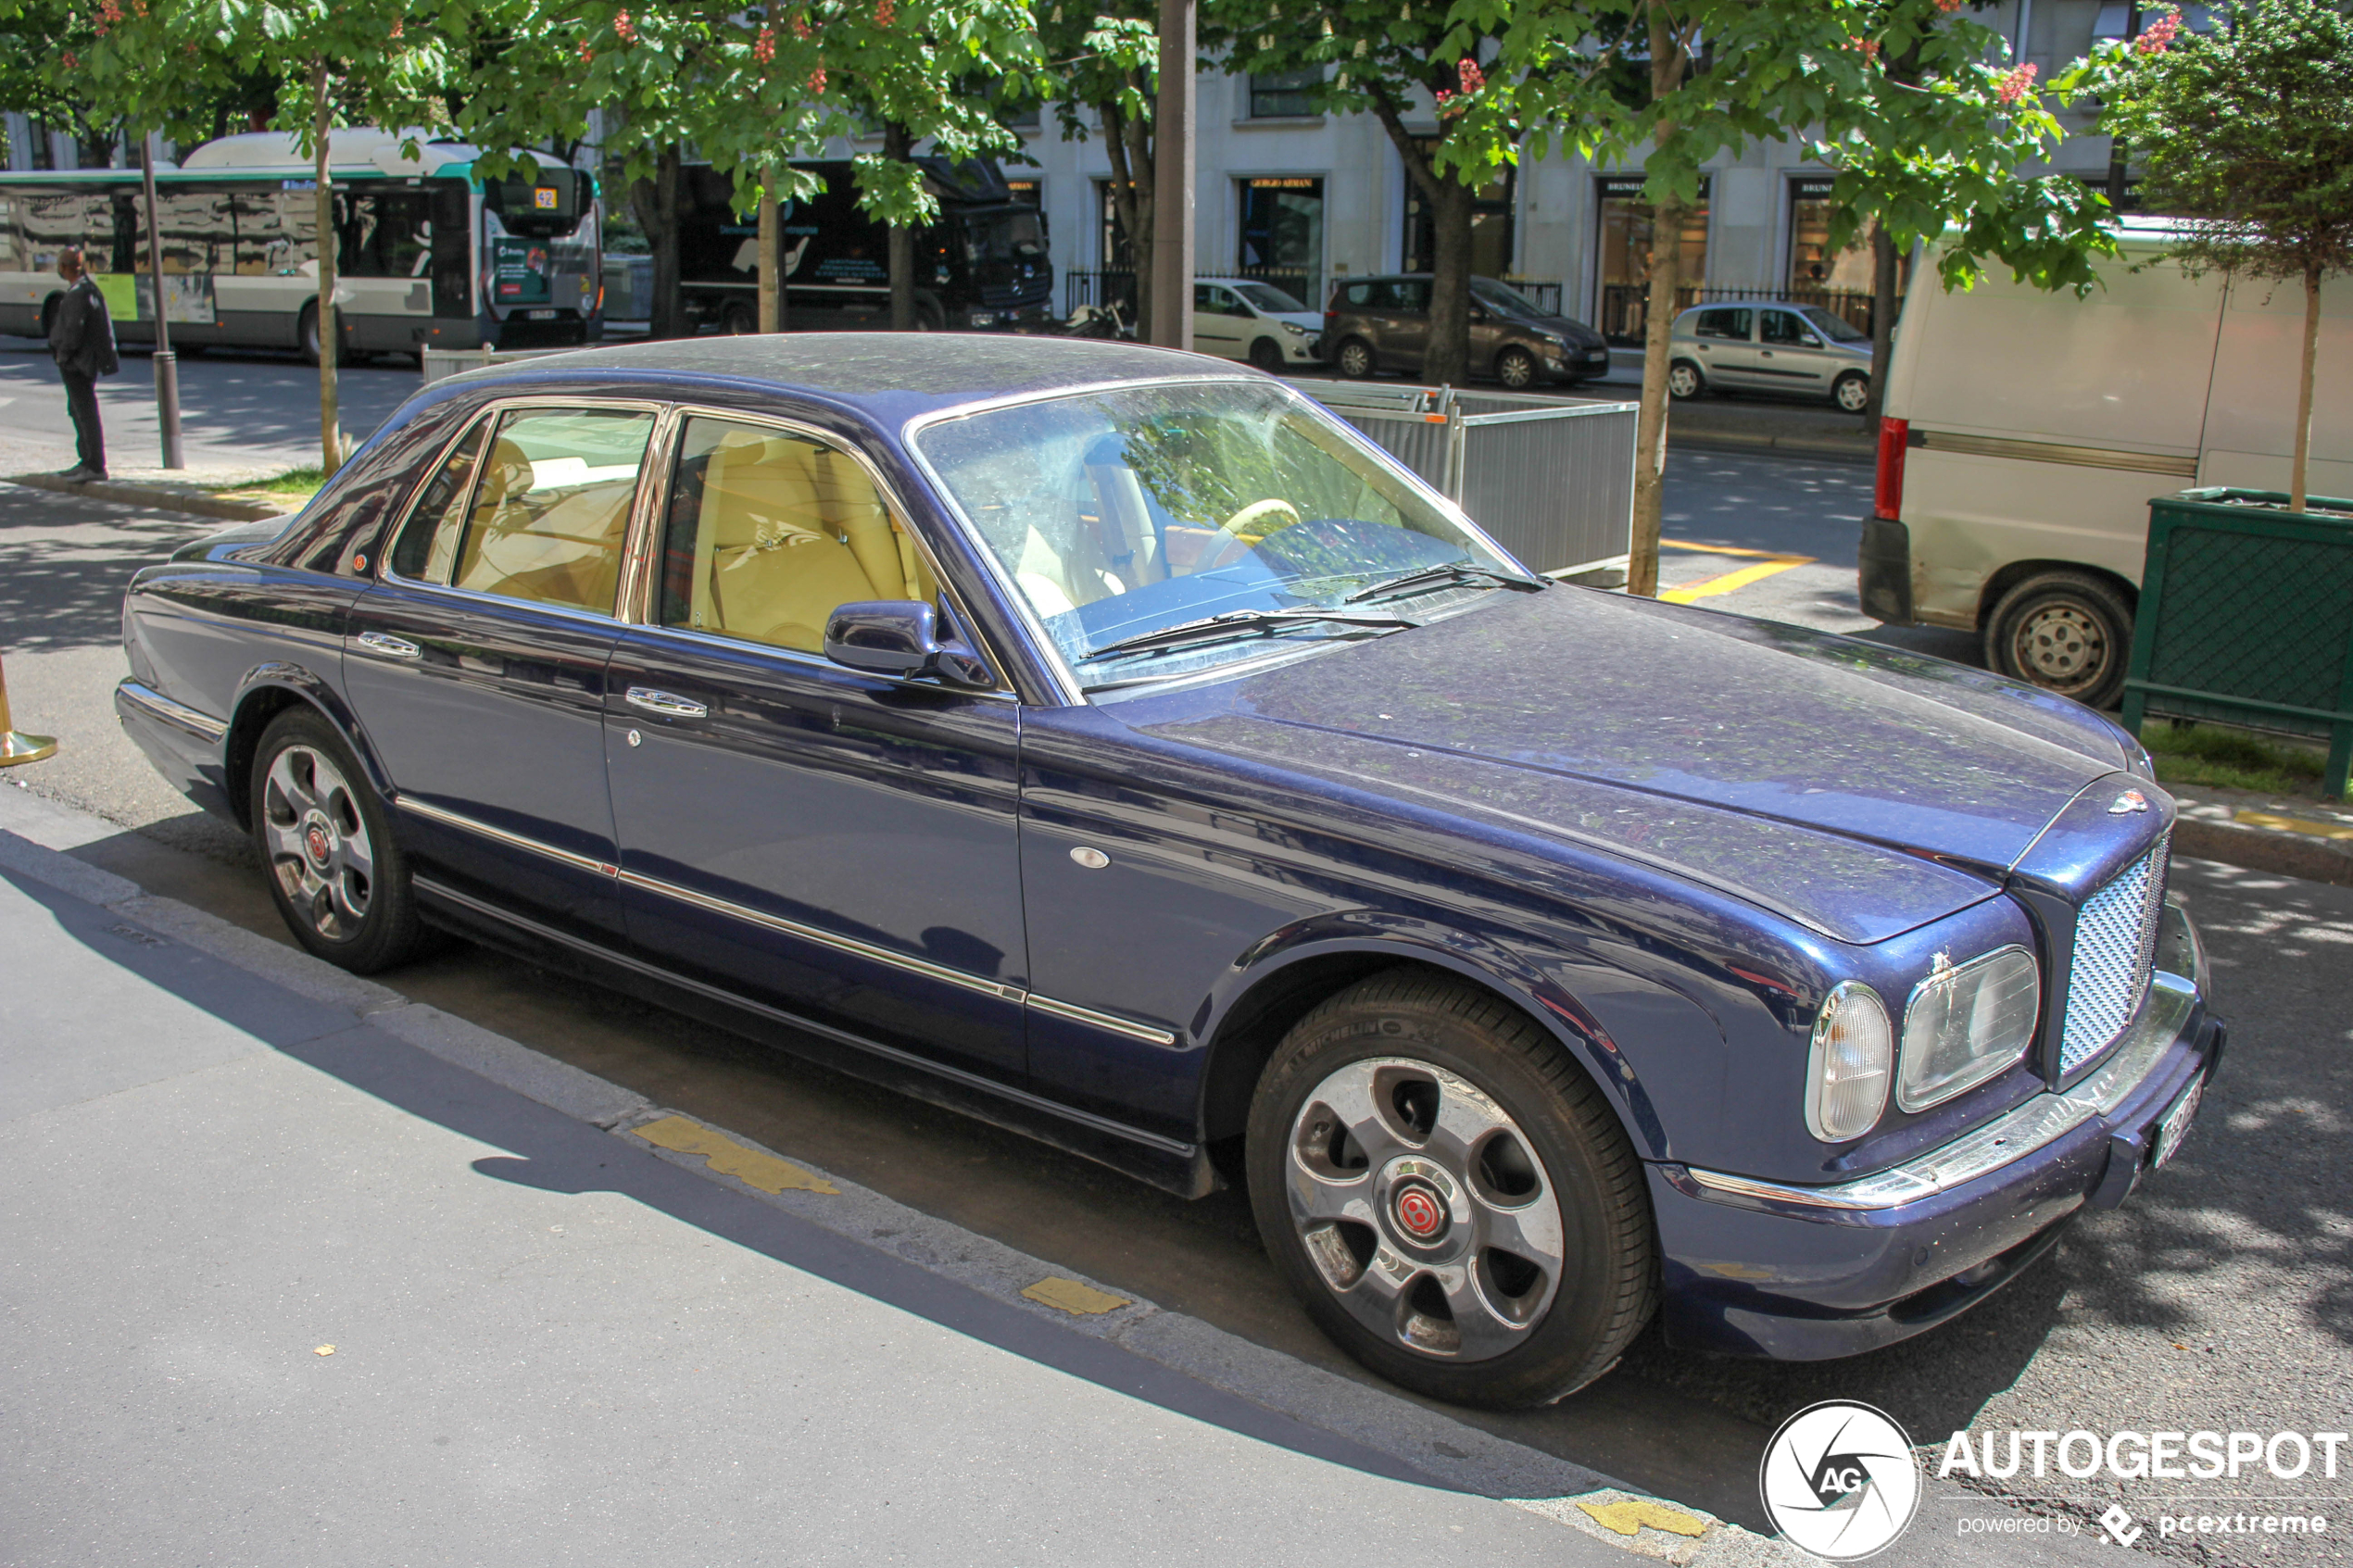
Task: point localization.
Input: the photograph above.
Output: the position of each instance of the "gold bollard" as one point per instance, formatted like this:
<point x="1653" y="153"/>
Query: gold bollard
<point x="14" y="748"/>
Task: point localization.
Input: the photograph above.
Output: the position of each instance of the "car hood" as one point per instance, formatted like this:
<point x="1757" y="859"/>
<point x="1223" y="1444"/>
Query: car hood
<point x="1312" y="319"/>
<point x="1861" y="789"/>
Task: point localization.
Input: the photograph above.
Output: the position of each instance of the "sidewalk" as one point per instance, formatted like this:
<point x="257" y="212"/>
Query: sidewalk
<point x="299" y="1272"/>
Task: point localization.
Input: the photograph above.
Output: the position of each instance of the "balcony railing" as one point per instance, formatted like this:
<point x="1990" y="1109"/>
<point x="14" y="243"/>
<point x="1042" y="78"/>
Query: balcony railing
<point x="1626" y="307"/>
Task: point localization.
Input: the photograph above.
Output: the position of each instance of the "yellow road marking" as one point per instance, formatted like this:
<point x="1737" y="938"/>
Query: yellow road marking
<point x="731" y="1159"/>
<point x="2295" y="824"/>
<point x="1722" y="550"/>
<point x="1725" y="582"/>
<point x="1069" y="1296"/>
<point x="1628" y="1517"/>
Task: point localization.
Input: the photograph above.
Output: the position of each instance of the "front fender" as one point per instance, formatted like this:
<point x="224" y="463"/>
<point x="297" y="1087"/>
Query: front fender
<point x="1289" y="972"/>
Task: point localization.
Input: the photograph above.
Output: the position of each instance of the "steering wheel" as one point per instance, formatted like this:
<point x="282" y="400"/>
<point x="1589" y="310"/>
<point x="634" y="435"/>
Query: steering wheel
<point x="1239" y="524"/>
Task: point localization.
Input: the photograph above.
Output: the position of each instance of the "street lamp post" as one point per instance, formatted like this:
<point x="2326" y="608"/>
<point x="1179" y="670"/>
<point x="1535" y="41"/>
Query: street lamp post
<point x="1172" y="260"/>
<point x="167" y="363"/>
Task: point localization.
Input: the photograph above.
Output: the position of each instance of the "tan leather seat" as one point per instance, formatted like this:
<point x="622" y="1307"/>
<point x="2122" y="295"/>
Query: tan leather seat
<point x="558" y="548"/>
<point x="788" y="529"/>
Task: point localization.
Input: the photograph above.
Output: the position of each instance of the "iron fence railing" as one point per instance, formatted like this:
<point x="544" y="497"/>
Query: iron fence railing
<point x="1626" y="307"/>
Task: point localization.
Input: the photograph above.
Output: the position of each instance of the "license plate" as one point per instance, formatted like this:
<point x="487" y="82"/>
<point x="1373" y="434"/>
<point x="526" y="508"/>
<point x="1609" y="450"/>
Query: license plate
<point x="540" y="315"/>
<point x="2176" y="1124"/>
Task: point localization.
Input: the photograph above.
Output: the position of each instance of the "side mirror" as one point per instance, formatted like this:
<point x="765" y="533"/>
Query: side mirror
<point x="1809" y="341"/>
<point x="900" y="637"/>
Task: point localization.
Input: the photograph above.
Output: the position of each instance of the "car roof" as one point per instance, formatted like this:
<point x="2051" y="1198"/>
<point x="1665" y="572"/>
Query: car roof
<point x="890" y="376"/>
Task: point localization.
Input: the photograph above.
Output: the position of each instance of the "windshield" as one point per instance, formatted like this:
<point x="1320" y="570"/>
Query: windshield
<point x="1118" y="514"/>
<point x="1011" y="235"/>
<point x="1266" y="296"/>
<point x="1502" y="296"/>
<point x="1835" y="328"/>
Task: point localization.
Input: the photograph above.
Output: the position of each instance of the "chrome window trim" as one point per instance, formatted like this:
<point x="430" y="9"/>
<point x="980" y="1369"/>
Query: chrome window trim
<point x="497" y="409"/>
<point x="2025" y="1130"/>
<point x="204" y="726"/>
<point x="1988" y="1066"/>
<point x="1072" y="691"/>
<point x="819" y="663"/>
<point x="641" y="605"/>
<point x="813" y="934"/>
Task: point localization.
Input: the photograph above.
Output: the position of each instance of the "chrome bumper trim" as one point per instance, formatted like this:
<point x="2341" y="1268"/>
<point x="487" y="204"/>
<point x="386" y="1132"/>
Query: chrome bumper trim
<point x="154" y="704"/>
<point x="2037" y="1123"/>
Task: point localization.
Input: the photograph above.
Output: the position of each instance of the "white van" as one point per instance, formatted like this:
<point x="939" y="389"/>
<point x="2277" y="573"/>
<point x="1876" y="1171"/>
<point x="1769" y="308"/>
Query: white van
<point x="2026" y="432"/>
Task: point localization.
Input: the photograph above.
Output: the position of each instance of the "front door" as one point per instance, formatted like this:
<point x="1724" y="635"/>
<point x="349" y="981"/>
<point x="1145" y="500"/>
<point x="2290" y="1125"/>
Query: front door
<point x="1219" y="321"/>
<point x="476" y="664"/>
<point x="838" y="846"/>
<point x="1405" y="325"/>
<point x="1727" y="356"/>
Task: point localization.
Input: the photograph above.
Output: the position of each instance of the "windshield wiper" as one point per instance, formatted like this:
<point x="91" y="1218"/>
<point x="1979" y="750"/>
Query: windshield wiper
<point x="1240" y="623"/>
<point x="1440" y="576"/>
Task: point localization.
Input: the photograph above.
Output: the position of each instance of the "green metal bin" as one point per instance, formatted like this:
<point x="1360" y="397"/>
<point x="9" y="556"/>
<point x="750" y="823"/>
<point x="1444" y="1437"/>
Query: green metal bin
<point x="2247" y="618"/>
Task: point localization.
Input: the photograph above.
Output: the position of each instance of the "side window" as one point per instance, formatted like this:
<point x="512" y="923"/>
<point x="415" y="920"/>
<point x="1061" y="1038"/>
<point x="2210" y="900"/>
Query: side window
<point x="549" y="516"/>
<point x="1730" y="324"/>
<point x="1357" y="296"/>
<point x="1413" y="294"/>
<point x="428" y="541"/>
<point x="767" y="533"/>
<point x="1781" y="327"/>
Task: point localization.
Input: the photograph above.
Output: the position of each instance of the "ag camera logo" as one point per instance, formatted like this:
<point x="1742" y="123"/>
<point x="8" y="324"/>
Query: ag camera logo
<point x="1839" y="1480"/>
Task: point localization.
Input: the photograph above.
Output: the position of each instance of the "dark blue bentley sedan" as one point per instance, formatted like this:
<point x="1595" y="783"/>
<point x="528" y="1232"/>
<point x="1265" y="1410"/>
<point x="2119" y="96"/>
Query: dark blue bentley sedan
<point x="1109" y="743"/>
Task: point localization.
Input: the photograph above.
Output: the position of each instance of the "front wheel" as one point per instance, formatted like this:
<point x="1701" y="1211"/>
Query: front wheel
<point x="307" y="333"/>
<point x="1852" y="392"/>
<point x="2068" y="632"/>
<point x="1355" y="360"/>
<point x="1449" y="1194"/>
<point x="338" y="879"/>
<point x="1685" y="381"/>
<point x="1515" y="368"/>
<point x="1266" y="354"/>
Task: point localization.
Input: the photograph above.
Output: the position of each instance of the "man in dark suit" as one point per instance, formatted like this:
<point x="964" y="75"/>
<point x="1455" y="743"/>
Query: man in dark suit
<point x="82" y="341"/>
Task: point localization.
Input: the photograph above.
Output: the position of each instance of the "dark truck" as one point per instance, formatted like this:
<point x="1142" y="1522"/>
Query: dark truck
<point x="982" y="266"/>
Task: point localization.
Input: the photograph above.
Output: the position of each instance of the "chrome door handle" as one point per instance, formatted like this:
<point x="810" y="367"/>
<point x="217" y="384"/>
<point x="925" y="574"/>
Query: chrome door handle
<point x="390" y="647"/>
<point x="662" y="702"/>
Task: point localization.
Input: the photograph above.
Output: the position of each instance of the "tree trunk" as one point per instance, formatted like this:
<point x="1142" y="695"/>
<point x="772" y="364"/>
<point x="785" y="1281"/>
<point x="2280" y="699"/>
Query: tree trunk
<point x="1667" y="62"/>
<point x="1446" y="362"/>
<point x="655" y="202"/>
<point x="772" y="248"/>
<point x="1883" y="261"/>
<point x="330" y="335"/>
<point x="897" y="147"/>
<point x="1128" y="144"/>
<point x="2300" y="467"/>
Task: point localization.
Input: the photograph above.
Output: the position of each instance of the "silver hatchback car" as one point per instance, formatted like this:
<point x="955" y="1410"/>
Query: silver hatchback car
<point x="1777" y="347"/>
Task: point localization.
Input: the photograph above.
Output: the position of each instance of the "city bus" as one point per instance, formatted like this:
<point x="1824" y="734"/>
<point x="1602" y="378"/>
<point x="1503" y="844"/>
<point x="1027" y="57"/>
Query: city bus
<point x="982" y="266"/>
<point x="428" y="254"/>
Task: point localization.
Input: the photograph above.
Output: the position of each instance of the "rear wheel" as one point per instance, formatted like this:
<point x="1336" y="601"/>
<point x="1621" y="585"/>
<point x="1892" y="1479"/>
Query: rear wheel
<point x="1515" y="368"/>
<point x="740" y="320"/>
<point x="1449" y="1194"/>
<point x="1355" y="360"/>
<point x="1852" y="392"/>
<point x="1266" y="354"/>
<point x="1685" y="381"/>
<point x="338" y="879"/>
<point x="2069" y="632"/>
<point x="307" y="333"/>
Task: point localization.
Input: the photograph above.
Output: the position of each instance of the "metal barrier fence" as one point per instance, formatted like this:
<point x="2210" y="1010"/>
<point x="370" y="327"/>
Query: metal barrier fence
<point x="1626" y="307"/>
<point x="1550" y="478"/>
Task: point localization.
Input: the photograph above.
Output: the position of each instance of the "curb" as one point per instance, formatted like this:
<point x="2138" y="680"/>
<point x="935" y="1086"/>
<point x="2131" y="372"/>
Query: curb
<point x="162" y="497"/>
<point x="1452" y="1454"/>
<point x="1832" y="447"/>
<point x="2260" y="849"/>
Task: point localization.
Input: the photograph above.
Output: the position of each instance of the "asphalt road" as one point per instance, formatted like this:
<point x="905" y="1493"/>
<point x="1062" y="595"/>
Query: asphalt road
<point x="2221" y="1297"/>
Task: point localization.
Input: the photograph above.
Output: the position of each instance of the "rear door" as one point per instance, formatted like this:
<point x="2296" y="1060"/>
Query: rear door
<point x="1405" y="325"/>
<point x="837" y="846"/>
<point x="1722" y="334"/>
<point x="476" y="664"/>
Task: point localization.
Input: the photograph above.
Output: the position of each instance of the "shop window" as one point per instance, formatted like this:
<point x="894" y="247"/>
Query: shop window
<point x="1492" y="225"/>
<point x="1626" y="229"/>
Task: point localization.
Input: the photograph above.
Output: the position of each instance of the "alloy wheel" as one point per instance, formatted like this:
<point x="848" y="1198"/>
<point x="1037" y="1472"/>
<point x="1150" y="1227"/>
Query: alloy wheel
<point x="1425" y="1209"/>
<point x="318" y="842"/>
<point x="1515" y="370"/>
<point x="1355" y="360"/>
<point x="1852" y="393"/>
<point x="1682" y="380"/>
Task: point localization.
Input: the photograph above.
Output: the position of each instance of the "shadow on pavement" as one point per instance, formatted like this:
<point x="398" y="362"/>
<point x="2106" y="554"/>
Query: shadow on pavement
<point x="550" y="1152"/>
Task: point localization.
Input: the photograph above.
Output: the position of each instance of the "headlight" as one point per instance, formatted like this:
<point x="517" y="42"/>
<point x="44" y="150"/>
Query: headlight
<point x="1963" y="1025"/>
<point x="1847" y="1072"/>
<point x="1294" y="329"/>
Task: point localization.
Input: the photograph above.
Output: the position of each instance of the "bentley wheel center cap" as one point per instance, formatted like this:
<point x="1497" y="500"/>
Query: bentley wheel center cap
<point x="1420" y="1212"/>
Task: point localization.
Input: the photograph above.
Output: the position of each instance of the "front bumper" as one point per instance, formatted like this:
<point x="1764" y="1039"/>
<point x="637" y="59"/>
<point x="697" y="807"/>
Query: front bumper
<point x="1810" y="1272"/>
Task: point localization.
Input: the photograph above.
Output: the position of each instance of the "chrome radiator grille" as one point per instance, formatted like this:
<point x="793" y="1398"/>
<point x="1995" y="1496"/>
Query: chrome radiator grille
<point x="2114" y="948"/>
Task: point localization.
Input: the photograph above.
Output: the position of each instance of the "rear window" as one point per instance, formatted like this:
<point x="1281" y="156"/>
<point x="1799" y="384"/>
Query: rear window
<point x="1356" y="295"/>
